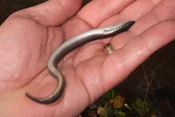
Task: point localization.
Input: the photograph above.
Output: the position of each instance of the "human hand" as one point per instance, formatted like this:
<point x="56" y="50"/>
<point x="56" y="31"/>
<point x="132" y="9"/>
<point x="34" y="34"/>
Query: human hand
<point x="28" y="38"/>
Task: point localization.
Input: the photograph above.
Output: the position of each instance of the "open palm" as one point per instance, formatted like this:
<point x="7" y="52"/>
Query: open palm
<point x="28" y="37"/>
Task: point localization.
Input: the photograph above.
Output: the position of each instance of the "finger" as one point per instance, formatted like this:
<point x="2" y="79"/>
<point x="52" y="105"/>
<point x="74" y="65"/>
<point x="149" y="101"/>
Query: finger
<point x="53" y="12"/>
<point x="165" y="10"/>
<point x="99" y="10"/>
<point x="133" y="12"/>
<point x="122" y="62"/>
<point x="139" y="8"/>
<point x="159" y="13"/>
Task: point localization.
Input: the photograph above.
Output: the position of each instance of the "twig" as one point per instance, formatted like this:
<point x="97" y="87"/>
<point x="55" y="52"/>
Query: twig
<point x="148" y="87"/>
<point x="146" y="78"/>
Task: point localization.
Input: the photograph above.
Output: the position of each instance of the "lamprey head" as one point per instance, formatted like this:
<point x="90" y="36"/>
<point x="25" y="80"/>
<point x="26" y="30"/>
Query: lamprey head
<point x="117" y="28"/>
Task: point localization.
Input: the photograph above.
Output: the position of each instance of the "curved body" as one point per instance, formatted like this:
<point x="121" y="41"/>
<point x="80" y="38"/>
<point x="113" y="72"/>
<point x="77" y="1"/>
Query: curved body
<point x="70" y="45"/>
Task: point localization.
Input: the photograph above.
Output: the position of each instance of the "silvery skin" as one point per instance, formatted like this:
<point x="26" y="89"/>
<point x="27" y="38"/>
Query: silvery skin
<point x="70" y="45"/>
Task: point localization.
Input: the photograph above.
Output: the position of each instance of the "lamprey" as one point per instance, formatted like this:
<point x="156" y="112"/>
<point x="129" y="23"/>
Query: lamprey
<point x="70" y="45"/>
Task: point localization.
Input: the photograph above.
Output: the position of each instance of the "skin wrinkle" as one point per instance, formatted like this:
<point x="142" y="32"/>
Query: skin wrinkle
<point x="101" y="77"/>
<point x="97" y="71"/>
<point x="85" y="49"/>
<point x="31" y="57"/>
<point x="52" y="37"/>
<point x="156" y="16"/>
<point x="81" y="80"/>
<point x="166" y="29"/>
<point x="80" y="55"/>
<point x="74" y="57"/>
<point x="39" y="18"/>
<point x="88" y="24"/>
<point x="155" y="2"/>
<point x="106" y="67"/>
<point x="41" y="72"/>
<point x="45" y="43"/>
<point x="121" y="65"/>
<point x="65" y="8"/>
<point x="146" y="44"/>
<point x="61" y="28"/>
<point x="86" y="89"/>
<point x="33" y="83"/>
<point x="33" y="52"/>
<point x="26" y="15"/>
<point x="66" y="103"/>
